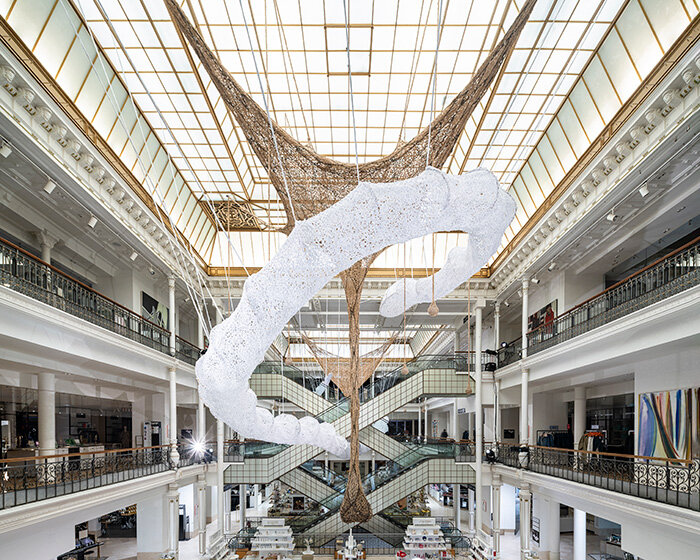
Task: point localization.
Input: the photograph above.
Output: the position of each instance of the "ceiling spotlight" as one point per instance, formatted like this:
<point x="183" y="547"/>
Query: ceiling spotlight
<point x="152" y="270"/>
<point x="552" y="266"/>
<point x="520" y="293"/>
<point x="92" y="222"/>
<point x="5" y="149"/>
<point x="612" y="217"/>
<point x="506" y="304"/>
<point x="49" y="186"/>
<point x="644" y="190"/>
<point x="133" y="255"/>
<point x="535" y="280"/>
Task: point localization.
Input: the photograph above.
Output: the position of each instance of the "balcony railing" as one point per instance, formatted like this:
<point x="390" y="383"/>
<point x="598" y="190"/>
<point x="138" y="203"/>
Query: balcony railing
<point x="31" y="479"/>
<point x="510" y="353"/>
<point x="24" y="273"/>
<point x="186" y="351"/>
<point x="671" y="481"/>
<point x="669" y="275"/>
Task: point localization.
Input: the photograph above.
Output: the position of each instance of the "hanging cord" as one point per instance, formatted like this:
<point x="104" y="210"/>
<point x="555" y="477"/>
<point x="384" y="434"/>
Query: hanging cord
<point x="433" y="309"/>
<point x="404" y="369"/>
<point x="434" y="79"/>
<point x="352" y="95"/>
<point x="177" y="249"/>
<point x="267" y="111"/>
<point x="469" y="336"/>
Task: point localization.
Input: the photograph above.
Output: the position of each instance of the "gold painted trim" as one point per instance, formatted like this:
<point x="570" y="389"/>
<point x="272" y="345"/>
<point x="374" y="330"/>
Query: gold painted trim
<point x="17" y="47"/>
<point x="240" y="272"/>
<point x="683" y="44"/>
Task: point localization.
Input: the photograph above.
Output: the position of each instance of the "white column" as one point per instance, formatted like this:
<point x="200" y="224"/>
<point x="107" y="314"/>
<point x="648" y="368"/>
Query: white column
<point x="242" y="495"/>
<point x="453" y="427"/>
<point x="496" y="511"/>
<point x="173" y="519"/>
<point x="525" y="521"/>
<point x="479" y="417"/>
<point x="220" y="474"/>
<point x="171" y="303"/>
<point x="325" y="461"/>
<point x="524" y="407"/>
<point x="497" y="325"/>
<point x="470" y="426"/>
<point x="579" y="413"/>
<point x="497" y="412"/>
<point x="47" y="413"/>
<point x="174" y="455"/>
<point x="200" y="331"/>
<point x="554" y="532"/>
<point x="201" y="489"/>
<point x="420" y="420"/>
<point x="455" y="505"/>
<point x="523" y="341"/>
<point x="458" y="340"/>
<point x="426" y="432"/>
<point x="579" y="534"/>
<point x="201" y="419"/>
<point x="374" y="461"/>
<point x="46" y="242"/>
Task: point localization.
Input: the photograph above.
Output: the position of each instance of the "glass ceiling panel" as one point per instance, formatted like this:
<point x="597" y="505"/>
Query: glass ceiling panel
<point x="57" y="36"/>
<point x="575" y="64"/>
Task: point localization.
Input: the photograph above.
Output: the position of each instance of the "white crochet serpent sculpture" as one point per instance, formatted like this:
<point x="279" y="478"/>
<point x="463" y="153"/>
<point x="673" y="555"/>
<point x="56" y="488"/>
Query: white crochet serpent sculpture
<point x="370" y="218"/>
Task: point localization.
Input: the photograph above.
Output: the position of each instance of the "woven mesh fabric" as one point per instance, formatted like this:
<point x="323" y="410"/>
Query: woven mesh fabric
<point x="310" y="183"/>
<point x="371" y="217"/>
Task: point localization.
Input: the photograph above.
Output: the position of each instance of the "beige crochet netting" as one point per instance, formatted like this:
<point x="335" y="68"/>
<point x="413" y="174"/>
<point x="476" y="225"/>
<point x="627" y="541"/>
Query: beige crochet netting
<point x="340" y="370"/>
<point x="315" y="183"/>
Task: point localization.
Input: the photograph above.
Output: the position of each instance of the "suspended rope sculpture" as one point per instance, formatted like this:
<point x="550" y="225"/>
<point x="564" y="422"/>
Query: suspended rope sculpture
<point x="340" y="368"/>
<point x="364" y="219"/>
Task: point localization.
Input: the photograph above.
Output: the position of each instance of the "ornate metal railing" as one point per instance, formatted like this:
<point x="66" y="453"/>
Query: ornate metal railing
<point x="23" y="272"/>
<point x="186" y="351"/>
<point x="32" y="479"/>
<point x="667" y="276"/>
<point x="510" y="353"/>
<point x="671" y="481"/>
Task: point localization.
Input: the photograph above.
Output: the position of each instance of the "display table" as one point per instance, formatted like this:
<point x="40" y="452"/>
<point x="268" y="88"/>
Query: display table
<point x="424" y="539"/>
<point x="272" y="539"/>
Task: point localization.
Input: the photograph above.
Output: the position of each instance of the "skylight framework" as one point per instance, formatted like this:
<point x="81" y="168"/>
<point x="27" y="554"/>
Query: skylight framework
<point x="575" y="65"/>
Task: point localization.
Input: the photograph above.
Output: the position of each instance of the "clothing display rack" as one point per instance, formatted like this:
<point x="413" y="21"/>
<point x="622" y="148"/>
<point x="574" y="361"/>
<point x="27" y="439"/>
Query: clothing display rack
<point x="563" y="439"/>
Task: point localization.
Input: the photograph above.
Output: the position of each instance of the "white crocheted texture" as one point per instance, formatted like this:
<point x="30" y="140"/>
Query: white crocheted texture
<point x="371" y="217"/>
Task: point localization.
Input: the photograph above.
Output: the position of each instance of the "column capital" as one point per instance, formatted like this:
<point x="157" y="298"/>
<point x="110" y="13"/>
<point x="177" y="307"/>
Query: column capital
<point x="580" y="392"/>
<point x="496" y="480"/>
<point x="497" y="307"/>
<point x="171" y="282"/>
<point x="480" y="303"/>
<point x="525" y="490"/>
<point x="525" y="281"/>
<point x="45" y="239"/>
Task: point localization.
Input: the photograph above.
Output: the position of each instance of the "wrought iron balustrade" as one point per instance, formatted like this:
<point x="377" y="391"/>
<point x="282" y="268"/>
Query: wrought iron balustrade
<point x="510" y="353"/>
<point x="186" y="351"/>
<point x="31" y="479"/>
<point x="28" y="275"/>
<point x="671" y="481"/>
<point x="668" y="276"/>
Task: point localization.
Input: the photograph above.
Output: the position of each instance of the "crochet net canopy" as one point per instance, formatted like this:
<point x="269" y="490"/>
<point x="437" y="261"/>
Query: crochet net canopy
<point x="316" y="183"/>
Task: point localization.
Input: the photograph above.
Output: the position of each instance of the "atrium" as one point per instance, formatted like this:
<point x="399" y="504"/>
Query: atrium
<point x="349" y="279"/>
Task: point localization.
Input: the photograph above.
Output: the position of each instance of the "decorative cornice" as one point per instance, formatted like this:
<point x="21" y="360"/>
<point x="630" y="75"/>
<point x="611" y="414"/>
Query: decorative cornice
<point x="614" y="144"/>
<point x="87" y="139"/>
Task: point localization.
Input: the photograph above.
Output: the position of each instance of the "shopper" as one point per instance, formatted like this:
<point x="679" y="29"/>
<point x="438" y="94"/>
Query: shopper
<point x="125" y="439"/>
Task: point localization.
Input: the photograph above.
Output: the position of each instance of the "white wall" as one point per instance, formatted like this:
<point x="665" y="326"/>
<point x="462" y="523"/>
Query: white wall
<point x="508" y="507"/>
